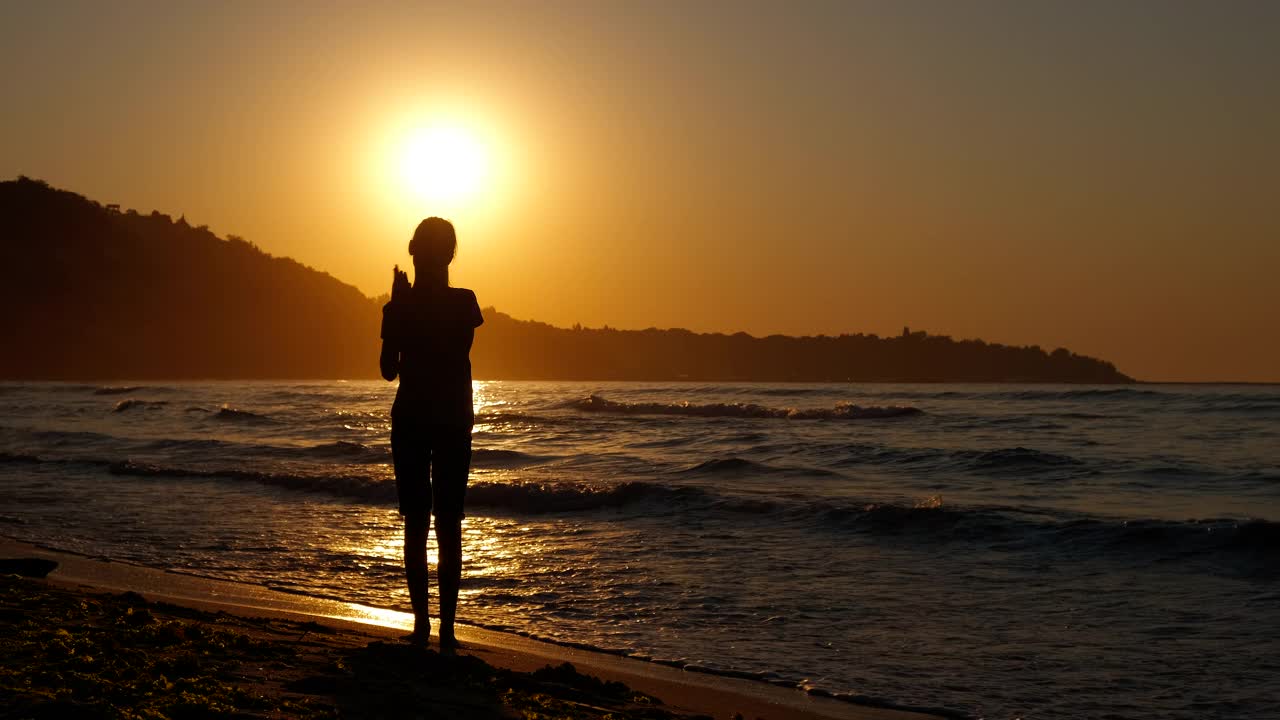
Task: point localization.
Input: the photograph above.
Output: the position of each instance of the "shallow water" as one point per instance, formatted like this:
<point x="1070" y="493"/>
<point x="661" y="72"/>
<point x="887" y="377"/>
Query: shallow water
<point x="1002" y="550"/>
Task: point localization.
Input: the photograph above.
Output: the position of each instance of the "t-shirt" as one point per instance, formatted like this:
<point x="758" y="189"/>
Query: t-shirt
<point x="432" y="333"/>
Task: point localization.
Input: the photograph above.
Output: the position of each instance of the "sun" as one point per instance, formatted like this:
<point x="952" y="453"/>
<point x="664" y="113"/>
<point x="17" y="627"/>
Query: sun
<point x="443" y="165"/>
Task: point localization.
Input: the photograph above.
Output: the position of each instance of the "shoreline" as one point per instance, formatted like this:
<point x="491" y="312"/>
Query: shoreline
<point x="687" y="688"/>
<point x="107" y="382"/>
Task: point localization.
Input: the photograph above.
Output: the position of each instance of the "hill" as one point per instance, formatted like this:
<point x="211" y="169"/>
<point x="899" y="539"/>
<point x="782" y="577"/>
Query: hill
<point x="90" y="292"/>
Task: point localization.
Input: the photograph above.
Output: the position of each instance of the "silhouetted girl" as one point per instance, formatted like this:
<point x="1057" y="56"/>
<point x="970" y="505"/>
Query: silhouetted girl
<point x="427" y="330"/>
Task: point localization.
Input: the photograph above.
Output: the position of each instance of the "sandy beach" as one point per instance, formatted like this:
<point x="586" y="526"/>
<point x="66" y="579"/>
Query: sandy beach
<point x="272" y="654"/>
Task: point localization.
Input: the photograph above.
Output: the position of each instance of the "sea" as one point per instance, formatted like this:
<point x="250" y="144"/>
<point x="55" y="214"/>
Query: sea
<point x="992" y="550"/>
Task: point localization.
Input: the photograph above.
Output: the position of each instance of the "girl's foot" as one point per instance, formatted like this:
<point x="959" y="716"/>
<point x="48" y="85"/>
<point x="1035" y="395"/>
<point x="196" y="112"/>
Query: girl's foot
<point x="421" y="634"/>
<point x="421" y="639"/>
<point x="449" y="644"/>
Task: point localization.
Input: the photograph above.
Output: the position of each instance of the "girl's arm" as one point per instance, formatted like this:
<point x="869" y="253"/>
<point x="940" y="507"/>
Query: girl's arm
<point x="389" y="361"/>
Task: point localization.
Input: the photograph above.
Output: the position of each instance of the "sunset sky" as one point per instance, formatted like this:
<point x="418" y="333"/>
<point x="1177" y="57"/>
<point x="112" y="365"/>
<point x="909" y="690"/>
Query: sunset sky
<point x="1100" y="176"/>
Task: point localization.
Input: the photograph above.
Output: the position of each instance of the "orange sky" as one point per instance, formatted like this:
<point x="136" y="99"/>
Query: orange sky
<point x="1097" y="177"/>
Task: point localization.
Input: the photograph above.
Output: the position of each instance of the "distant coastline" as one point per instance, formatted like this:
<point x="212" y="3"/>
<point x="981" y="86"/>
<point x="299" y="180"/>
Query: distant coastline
<point x="1250" y="383"/>
<point x="520" y="349"/>
<point x="94" y="292"/>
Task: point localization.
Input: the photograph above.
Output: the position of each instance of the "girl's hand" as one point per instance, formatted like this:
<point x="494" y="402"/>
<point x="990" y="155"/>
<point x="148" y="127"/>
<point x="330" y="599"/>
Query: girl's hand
<point x="400" y="287"/>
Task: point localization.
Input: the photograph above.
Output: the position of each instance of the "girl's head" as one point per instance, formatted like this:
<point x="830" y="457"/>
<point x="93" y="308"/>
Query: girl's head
<point x="434" y="243"/>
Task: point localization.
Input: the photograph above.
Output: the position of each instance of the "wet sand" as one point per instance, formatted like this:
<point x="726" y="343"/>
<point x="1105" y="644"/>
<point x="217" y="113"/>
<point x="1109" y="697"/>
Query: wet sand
<point x="348" y="658"/>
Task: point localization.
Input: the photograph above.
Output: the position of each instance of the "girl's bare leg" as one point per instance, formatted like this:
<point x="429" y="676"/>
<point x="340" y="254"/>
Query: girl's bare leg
<point x="415" y="570"/>
<point x="449" y="570"/>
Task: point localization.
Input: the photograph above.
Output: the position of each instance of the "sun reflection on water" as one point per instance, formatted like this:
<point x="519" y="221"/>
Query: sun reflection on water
<point x="485" y="395"/>
<point x="501" y="555"/>
<point x="381" y="616"/>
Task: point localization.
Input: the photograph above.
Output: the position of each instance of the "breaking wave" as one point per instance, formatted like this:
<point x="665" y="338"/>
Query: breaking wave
<point x="928" y="520"/>
<point x="117" y="390"/>
<point x="515" y="418"/>
<point x="541" y="498"/>
<point x="231" y="414"/>
<point x="740" y="466"/>
<point x="358" y="487"/>
<point x="496" y="457"/>
<point x="842" y="411"/>
<point x="350" y="452"/>
<point x="131" y="403"/>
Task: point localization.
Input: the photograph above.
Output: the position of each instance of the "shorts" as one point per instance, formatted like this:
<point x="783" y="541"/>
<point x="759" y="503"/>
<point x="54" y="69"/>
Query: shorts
<point x="432" y="462"/>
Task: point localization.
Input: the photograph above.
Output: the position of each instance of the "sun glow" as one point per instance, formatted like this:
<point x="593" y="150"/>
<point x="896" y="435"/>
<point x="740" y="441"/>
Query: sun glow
<point x="443" y="165"/>
<point x="437" y="159"/>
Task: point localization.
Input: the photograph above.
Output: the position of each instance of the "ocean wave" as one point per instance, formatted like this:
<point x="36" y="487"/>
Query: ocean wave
<point x="663" y="442"/>
<point x="1171" y="471"/>
<point x="1245" y="405"/>
<point x="88" y="447"/>
<point x="786" y="391"/>
<point x="497" y="457"/>
<point x="998" y="392"/>
<point x="62" y="438"/>
<point x="72" y="387"/>
<point x="517" y="418"/>
<point x="1207" y="402"/>
<point x="731" y="465"/>
<point x="316" y="395"/>
<point x="1076" y="538"/>
<point x="1257" y="476"/>
<point x="354" y="452"/>
<point x="1015" y="458"/>
<point x="849" y="411"/>
<point x="380" y="488"/>
<point x="994" y="461"/>
<point x="359" y="487"/>
<point x="1122" y="393"/>
<point x="842" y="411"/>
<point x="203" y="445"/>
<point x="540" y="498"/>
<point x="929" y="520"/>
<point x="117" y="390"/>
<point x="735" y="466"/>
<point x="349" y="451"/>
<point x="1071" y="415"/>
<point x="231" y="414"/>
<point x="518" y="497"/>
<point x="926" y="520"/>
<point x="131" y="403"/>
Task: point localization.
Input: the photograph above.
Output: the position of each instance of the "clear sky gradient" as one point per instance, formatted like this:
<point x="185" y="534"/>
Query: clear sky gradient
<point x="1101" y="176"/>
